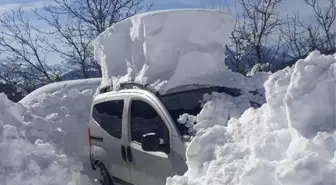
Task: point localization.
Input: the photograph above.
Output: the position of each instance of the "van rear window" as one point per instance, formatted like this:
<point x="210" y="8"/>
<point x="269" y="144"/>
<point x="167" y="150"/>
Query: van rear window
<point x="109" y="116"/>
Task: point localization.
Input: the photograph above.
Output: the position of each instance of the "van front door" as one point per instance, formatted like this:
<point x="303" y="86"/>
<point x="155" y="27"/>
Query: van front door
<point x="148" y="168"/>
<point x="109" y="115"/>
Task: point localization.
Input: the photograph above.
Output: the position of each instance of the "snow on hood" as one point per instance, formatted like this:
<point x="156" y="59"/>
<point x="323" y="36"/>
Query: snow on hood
<point x="290" y="140"/>
<point x="169" y="48"/>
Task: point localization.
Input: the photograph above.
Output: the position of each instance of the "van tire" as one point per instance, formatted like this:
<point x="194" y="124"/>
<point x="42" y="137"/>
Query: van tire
<point x="105" y="178"/>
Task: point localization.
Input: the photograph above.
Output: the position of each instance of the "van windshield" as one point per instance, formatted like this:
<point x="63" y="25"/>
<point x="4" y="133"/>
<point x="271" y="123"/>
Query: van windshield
<point x="189" y="102"/>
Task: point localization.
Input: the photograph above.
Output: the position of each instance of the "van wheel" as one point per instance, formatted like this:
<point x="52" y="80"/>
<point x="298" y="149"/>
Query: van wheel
<point x="104" y="176"/>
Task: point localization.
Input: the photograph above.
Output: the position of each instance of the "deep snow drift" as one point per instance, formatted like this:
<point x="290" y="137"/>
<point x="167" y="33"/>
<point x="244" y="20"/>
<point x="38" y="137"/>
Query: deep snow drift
<point x="43" y="139"/>
<point x="290" y="140"/>
<point x="65" y="86"/>
<point x="169" y="49"/>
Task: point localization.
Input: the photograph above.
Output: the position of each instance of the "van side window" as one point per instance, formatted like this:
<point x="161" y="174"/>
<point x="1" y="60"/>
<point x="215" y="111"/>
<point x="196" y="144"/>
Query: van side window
<point x="109" y="116"/>
<point x="144" y="120"/>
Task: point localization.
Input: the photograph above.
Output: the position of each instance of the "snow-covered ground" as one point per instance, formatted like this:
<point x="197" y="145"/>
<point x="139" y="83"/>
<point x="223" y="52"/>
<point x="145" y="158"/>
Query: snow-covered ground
<point x="43" y="139"/>
<point x="290" y="140"/>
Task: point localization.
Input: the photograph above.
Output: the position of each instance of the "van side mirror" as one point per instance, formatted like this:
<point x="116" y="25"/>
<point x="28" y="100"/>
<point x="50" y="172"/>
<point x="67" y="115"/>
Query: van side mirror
<point x="150" y="142"/>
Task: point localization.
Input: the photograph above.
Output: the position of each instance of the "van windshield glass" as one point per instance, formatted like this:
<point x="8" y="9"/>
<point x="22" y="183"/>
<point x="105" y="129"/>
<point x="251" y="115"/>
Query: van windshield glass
<point x="189" y="102"/>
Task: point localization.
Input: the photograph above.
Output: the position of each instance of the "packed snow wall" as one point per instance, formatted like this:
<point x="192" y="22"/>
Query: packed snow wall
<point x="43" y="139"/>
<point x="290" y="140"/>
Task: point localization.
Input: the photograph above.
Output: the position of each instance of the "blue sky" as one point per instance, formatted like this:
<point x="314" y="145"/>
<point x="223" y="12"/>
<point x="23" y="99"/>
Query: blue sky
<point x="287" y="7"/>
<point x="27" y="5"/>
<point x="159" y="4"/>
<point x="168" y="4"/>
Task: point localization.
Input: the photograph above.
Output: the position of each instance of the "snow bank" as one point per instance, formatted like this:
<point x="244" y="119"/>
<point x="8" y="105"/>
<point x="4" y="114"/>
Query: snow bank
<point x="65" y="86"/>
<point x="290" y="140"/>
<point x="169" y="49"/>
<point x="43" y="139"/>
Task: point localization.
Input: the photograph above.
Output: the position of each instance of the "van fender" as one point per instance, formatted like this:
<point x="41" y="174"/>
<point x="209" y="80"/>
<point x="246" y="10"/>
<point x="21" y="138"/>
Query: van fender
<point x="98" y="155"/>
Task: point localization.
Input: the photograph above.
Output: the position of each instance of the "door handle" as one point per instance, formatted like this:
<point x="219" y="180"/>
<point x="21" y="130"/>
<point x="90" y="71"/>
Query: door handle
<point x="123" y="152"/>
<point x="129" y="154"/>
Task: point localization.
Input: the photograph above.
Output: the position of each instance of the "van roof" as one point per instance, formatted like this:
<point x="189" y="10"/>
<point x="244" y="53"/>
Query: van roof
<point x="184" y="88"/>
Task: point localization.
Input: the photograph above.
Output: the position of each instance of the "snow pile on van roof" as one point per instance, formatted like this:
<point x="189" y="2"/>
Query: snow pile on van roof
<point x="290" y="140"/>
<point x="168" y="49"/>
<point x="43" y="139"/>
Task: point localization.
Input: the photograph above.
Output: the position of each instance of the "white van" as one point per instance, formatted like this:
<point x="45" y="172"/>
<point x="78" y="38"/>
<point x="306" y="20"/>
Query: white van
<point x="134" y="134"/>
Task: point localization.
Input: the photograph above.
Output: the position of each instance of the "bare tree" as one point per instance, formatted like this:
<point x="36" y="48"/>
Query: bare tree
<point x="260" y="18"/>
<point x="221" y="5"/>
<point x="78" y="22"/>
<point x="23" y="61"/>
<point x="236" y="51"/>
<point x="299" y="38"/>
<point x="325" y="18"/>
<point x="302" y="37"/>
<point x="255" y="39"/>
